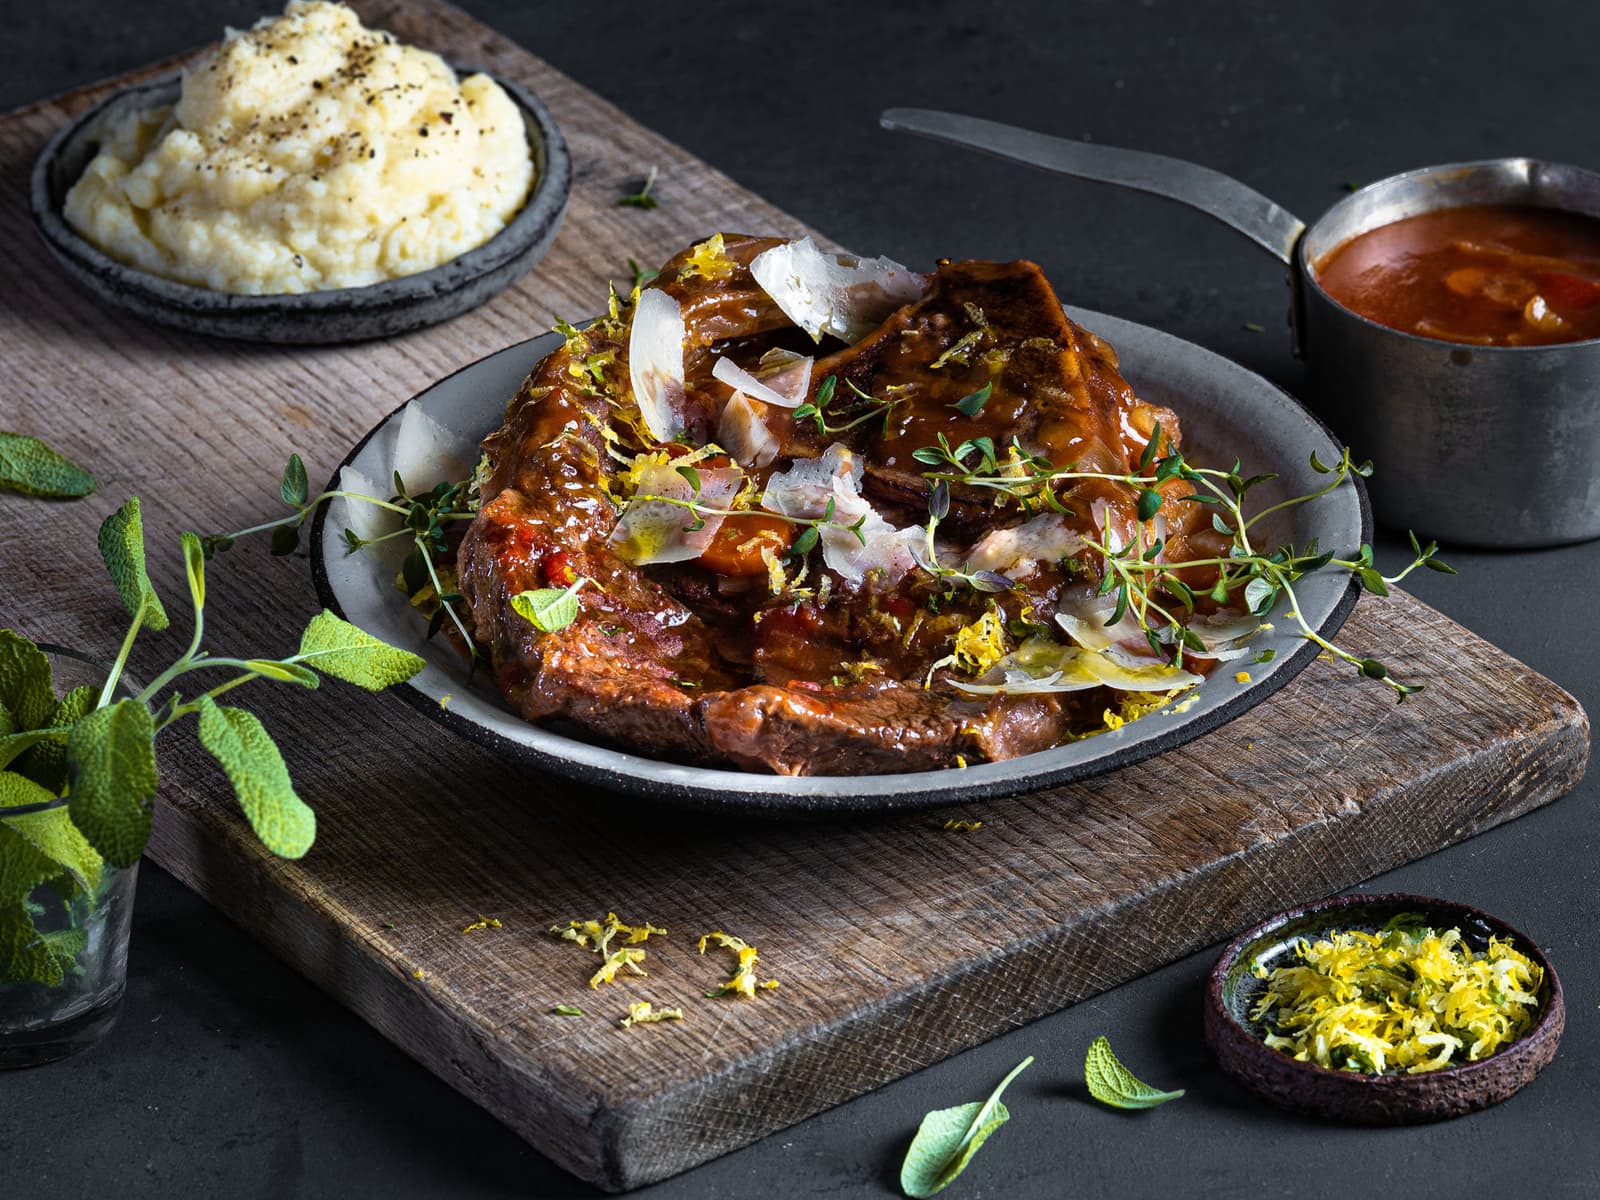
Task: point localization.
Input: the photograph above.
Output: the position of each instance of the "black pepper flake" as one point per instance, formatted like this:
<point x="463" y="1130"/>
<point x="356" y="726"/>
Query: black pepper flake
<point x="447" y="117"/>
<point x="423" y="132"/>
<point x="294" y="62"/>
<point x="298" y="261"/>
<point x="316" y="85"/>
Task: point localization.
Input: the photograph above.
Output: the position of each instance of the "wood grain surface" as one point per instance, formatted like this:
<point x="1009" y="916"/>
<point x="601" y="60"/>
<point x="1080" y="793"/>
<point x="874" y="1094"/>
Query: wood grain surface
<point x="896" y="943"/>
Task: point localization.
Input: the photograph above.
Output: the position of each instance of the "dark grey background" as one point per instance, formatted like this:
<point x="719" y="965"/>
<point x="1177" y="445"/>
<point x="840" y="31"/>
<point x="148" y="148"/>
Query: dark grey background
<point x="231" y="1076"/>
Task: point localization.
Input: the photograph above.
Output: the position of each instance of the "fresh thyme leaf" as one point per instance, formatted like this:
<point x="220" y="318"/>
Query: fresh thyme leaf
<point x="1112" y="1083"/>
<point x="30" y="467"/>
<point x="1149" y="503"/>
<point x="692" y="477"/>
<point x="641" y="275"/>
<point x="336" y="647"/>
<point x="255" y="767"/>
<point x="972" y="403"/>
<point x="285" y="540"/>
<point x="111" y="770"/>
<point x="642" y="198"/>
<point x="1266" y="656"/>
<point x="122" y="548"/>
<point x="568" y="1010"/>
<point x="1252" y="327"/>
<point x="804" y="543"/>
<point x="1151" y="448"/>
<point x="294" y="487"/>
<point x="949" y="1137"/>
<point x="549" y="610"/>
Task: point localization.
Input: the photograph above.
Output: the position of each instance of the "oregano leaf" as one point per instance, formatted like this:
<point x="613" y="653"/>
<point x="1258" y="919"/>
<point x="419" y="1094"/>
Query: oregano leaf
<point x="45" y="762"/>
<point x="335" y="647"/>
<point x="1112" y="1083"/>
<point x="122" y="547"/>
<point x="294" y="487"/>
<point x="25" y="682"/>
<point x="111" y="776"/>
<point x="255" y="767"/>
<point x="28" y="466"/>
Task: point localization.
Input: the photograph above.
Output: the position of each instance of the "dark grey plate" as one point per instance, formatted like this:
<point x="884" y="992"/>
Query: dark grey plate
<point x="1353" y="1096"/>
<point x="1227" y="411"/>
<point x="339" y="315"/>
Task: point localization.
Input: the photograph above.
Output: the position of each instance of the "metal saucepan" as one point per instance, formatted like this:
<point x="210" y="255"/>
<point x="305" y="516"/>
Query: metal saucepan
<point x="1479" y="445"/>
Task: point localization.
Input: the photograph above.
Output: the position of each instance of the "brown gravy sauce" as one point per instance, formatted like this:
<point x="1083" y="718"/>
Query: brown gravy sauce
<point x="1488" y="275"/>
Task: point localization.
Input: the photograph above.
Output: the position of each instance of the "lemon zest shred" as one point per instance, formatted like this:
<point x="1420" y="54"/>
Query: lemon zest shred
<point x="643" y="1013"/>
<point x="483" y="922"/>
<point x="709" y="260"/>
<point x="1397" y="1001"/>
<point x="743" y="980"/>
<point x="597" y="936"/>
<point x="962" y="825"/>
<point x="1241" y="676"/>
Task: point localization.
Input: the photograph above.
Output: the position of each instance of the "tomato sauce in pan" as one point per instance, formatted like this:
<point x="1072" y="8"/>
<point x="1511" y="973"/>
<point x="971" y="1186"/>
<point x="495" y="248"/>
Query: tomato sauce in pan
<point x="1483" y="274"/>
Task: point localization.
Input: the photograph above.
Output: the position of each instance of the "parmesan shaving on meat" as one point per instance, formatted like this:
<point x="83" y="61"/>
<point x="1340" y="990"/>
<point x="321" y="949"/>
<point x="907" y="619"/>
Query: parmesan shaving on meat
<point x="655" y="362"/>
<point x="785" y="388"/>
<point x="834" y="293"/>
<point x="656" y="531"/>
<point x="743" y="432"/>
<point x="804" y="491"/>
<point x="1017" y="550"/>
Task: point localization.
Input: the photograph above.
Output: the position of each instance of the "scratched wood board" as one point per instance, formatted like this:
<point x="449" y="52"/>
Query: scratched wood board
<point x="896" y="943"/>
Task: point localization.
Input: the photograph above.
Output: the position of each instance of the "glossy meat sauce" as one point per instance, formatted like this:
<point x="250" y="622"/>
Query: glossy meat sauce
<point x="1481" y="274"/>
<point x="699" y="660"/>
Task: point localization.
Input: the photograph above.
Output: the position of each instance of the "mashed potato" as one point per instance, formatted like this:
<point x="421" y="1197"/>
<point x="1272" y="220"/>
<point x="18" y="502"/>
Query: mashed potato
<point x="308" y="153"/>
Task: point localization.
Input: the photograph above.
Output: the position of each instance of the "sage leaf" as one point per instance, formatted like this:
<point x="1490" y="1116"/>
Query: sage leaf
<point x="1112" y="1083"/>
<point x="283" y="672"/>
<point x="51" y="832"/>
<point x="194" y="565"/>
<point x="24" y="955"/>
<point x="294" y="487"/>
<point x="111" y="773"/>
<point x="336" y="647"/>
<point x="28" y="466"/>
<point x="255" y="768"/>
<point x="45" y="762"/>
<point x="122" y="547"/>
<point x="25" y="685"/>
<point x="949" y="1137"/>
<point x="548" y="609"/>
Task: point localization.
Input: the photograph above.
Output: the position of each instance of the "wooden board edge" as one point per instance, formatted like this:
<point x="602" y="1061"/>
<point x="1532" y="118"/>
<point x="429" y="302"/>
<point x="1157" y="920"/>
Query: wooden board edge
<point x="619" y="1147"/>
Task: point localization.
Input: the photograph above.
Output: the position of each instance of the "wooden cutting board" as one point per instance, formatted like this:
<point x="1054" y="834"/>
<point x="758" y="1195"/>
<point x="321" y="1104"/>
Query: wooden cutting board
<point x="895" y="941"/>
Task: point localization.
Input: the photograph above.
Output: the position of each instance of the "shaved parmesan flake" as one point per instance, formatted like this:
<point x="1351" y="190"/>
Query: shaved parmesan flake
<point x="804" y="491"/>
<point x="367" y="521"/>
<point x="743" y="432"/>
<point x="795" y="378"/>
<point x="423" y="453"/>
<point x="834" y="293"/>
<point x="1017" y="550"/>
<point x="1085" y="624"/>
<point x="1042" y="664"/>
<point x="655" y="362"/>
<point x="655" y="531"/>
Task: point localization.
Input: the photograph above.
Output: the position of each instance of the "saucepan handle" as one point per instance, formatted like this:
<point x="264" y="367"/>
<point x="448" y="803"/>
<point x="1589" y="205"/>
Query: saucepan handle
<point x="1212" y="192"/>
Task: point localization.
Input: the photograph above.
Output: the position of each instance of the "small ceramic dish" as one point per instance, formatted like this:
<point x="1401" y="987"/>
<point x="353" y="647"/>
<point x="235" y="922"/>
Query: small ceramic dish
<point x="338" y="315"/>
<point x="1351" y="1095"/>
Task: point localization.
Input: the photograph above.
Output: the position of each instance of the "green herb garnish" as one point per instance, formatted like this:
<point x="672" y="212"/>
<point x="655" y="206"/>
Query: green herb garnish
<point x="642" y="198"/>
<point x="566" y="1010"/>
<point x="949" y="1137"/>
<point x="28" y="466"/>
<point x="549" y="609"/>
<point x="1112" y="1083"/>
<point x="972" y="403"/>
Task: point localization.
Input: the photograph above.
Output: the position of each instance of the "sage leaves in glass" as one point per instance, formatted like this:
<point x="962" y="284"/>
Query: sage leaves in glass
<point x="949" y="1137"/>
<point x="1112" y="1083"/>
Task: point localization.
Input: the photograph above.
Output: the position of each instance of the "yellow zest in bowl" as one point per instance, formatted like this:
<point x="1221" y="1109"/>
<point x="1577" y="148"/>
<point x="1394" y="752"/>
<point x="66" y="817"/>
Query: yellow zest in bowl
<point x="1402" y="1000"/>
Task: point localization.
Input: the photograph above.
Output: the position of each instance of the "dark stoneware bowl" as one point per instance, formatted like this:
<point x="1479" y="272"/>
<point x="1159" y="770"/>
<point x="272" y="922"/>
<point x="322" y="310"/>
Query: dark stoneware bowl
<point x="339" y="315"/>
<point x="1349" y="1095"/>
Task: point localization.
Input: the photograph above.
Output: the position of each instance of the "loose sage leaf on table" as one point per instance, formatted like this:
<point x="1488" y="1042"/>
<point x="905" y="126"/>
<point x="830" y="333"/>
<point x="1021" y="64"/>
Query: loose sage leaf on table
<point x="28" y="466"/>
<point x="111" y="768"/>
<point x="335" y="647"/>
<point x="949" y="1137"/>
<point x="25" y="683"/>
<point x="1112" y="1083"/>
<point x="122" y="547"/>
<point x="46" y="761"/>
<point x="250" y="759"/>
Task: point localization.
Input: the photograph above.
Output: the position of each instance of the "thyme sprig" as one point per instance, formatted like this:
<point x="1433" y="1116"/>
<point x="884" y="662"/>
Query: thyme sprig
<point x="423" y="519"/>
<point x="866" y="407"/>
<point x="1138" y="578"/>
